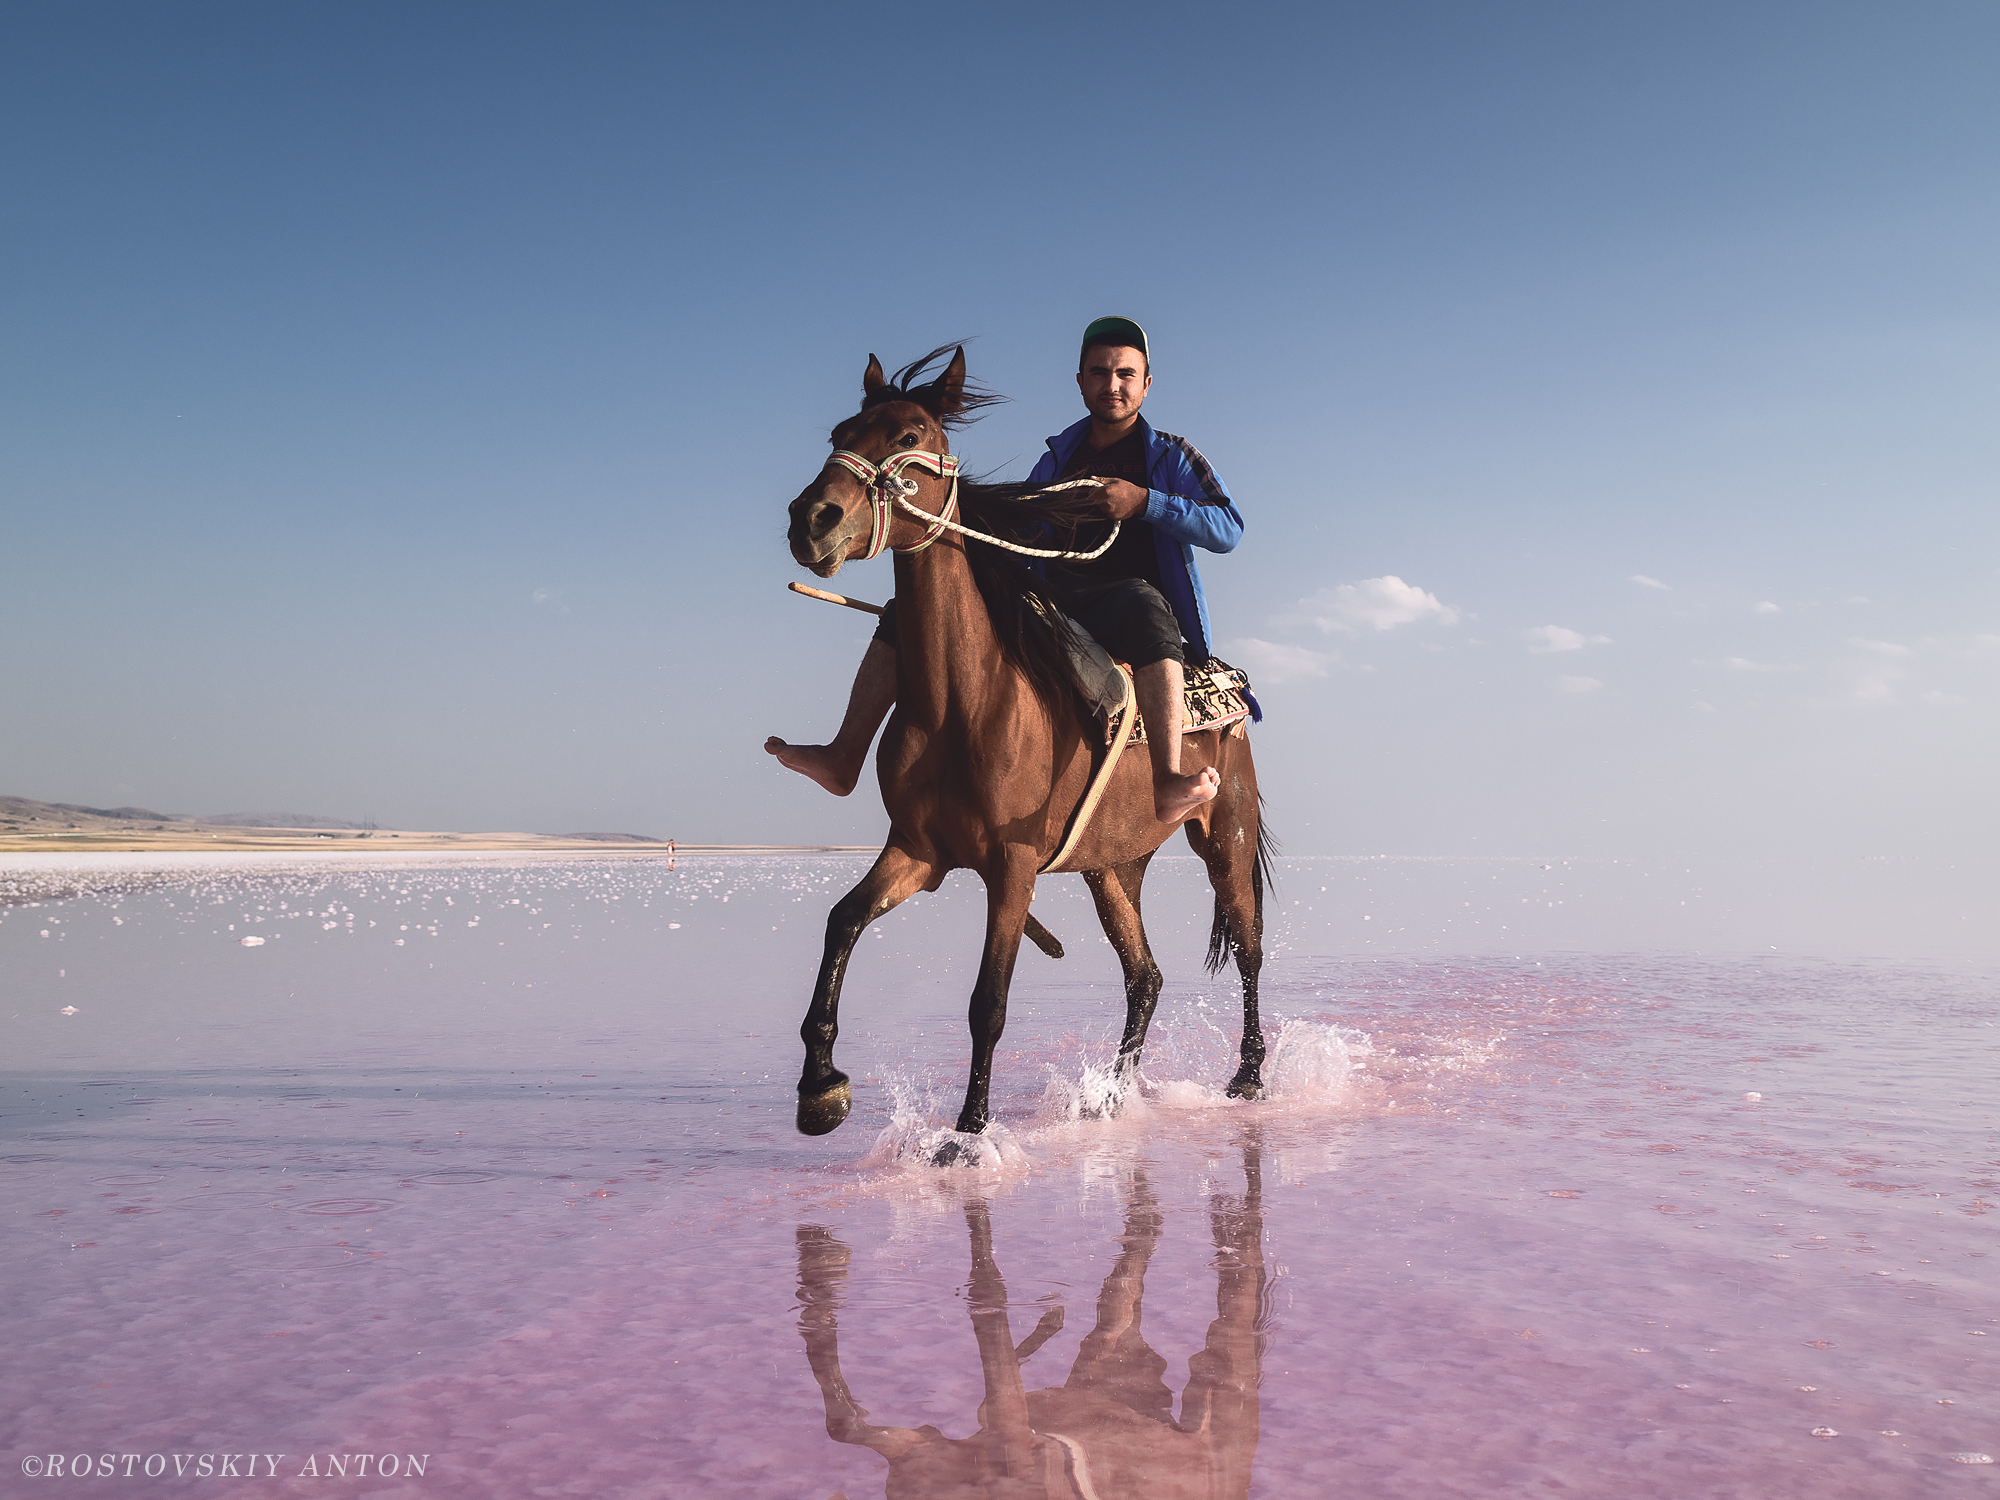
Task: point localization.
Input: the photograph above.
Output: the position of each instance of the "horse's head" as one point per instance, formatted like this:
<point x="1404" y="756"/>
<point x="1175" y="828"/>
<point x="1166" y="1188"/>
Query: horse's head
<point x="832" y="518"/>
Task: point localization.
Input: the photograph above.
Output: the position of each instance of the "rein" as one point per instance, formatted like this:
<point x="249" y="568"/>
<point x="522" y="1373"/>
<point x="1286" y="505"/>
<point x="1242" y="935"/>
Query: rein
<point x="886" y="485"/>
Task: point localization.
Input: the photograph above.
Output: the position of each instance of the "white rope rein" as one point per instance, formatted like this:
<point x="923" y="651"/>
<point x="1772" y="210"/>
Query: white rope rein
<point x="980" y="536"/>
<point x="886" y="479"/>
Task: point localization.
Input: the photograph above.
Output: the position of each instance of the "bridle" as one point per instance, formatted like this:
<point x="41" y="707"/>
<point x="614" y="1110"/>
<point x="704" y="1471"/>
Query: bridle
<point x="885" y="483"/>
<point x="887" y="486"/>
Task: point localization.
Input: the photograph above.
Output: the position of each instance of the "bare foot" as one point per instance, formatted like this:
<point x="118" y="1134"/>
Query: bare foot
<point x="1174" y="797"/>
<point x="822" y="763"/>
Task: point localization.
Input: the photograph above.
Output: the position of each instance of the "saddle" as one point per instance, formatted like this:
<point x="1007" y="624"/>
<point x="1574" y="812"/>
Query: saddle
<point x="1218" y="695"/>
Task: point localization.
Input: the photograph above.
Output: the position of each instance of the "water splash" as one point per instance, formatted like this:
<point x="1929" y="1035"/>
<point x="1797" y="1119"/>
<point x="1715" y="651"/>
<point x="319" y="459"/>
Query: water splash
<point x="1311" y="1063"/>
<point x="917" y="1137"/>
<point x="1190" y="1093"/>
<point x="1314" y="1062"/>
<point x="1094" y="1092"/>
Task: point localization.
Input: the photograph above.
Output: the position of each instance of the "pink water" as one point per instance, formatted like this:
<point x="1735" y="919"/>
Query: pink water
<point x="492" y="1161"/>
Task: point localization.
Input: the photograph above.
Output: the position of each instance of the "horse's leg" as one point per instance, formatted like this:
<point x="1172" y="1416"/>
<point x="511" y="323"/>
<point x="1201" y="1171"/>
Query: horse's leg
<point x="1116" y="893"/>
<point x="1229" y="847"/>
<point x="1221" y="1400"/>
<point x="1008" y="892"/>
<point x="822" y="1280"/>
<point x="1009" y="1439"/>
<point x="1116" y="1361"/>
<point x="823" y="1093"/>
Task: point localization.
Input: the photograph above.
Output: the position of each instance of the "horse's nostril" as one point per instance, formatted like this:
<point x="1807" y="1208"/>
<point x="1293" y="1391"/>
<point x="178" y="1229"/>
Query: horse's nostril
<point x="822" y="518"/>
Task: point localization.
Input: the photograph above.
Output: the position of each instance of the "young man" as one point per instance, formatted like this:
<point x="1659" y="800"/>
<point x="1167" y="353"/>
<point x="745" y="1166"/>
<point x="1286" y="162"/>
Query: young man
<point x="1142" y="600"/>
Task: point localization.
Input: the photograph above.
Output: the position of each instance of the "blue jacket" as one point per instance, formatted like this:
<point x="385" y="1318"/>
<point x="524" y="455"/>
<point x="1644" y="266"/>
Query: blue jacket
<point x="1188" y="506"/>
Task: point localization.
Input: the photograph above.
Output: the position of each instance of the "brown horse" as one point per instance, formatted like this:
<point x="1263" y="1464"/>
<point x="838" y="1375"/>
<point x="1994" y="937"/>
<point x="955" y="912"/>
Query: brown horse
<point x="987" y="755"/>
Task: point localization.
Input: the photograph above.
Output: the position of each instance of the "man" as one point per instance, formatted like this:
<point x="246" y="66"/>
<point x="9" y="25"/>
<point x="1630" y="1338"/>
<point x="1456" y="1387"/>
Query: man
<point x="1142" y="599"/>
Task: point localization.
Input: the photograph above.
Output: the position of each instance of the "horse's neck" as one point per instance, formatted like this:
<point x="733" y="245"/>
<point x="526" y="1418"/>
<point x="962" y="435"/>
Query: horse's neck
<point x="950" y="655"/>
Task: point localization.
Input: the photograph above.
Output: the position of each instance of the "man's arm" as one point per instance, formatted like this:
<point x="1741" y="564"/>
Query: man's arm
<point x="1196" y="508"/>
<point x="1196" y="512"/>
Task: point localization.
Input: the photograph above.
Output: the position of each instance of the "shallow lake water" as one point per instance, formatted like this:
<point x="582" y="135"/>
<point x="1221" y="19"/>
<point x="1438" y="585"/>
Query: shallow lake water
<point x="477" y="1176"/>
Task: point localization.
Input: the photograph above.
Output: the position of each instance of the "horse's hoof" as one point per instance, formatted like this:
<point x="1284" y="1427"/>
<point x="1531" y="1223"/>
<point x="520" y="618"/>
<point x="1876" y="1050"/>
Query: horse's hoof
<point x="1108" y="1107"/>
<point x="1246" y="1085"/>
<point x="960" y="1150"/>
<point x="823" y="1110"/>
<point x="953" y="1153"/>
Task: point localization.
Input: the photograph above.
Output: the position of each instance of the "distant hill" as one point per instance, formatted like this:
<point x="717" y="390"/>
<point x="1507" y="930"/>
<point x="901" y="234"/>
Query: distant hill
<point x="27" y="825"/>
<point x="26" y="813"/>
<point x="22" y="808"/>
<point x="22" y="814"/>
<point x="277" y="820"/>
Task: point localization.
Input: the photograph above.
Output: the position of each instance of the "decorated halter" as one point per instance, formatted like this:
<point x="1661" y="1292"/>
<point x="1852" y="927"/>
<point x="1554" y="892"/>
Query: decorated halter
<point x="887" y="485"/>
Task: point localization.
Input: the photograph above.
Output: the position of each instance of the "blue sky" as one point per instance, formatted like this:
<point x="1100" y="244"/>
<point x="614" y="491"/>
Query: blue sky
<point x="398" y="404"/>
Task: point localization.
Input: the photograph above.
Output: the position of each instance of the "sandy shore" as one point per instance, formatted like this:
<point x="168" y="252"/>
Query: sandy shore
<point x="190" y="839"/>
<point x="31" y="827"/>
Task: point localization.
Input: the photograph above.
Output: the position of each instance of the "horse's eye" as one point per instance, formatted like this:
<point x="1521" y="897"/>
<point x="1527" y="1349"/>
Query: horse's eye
<point x="909" y="440"/>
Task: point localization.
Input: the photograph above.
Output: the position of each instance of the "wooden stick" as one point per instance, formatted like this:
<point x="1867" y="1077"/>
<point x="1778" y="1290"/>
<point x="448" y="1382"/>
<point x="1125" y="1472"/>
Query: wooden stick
<point x="863" y="606"/>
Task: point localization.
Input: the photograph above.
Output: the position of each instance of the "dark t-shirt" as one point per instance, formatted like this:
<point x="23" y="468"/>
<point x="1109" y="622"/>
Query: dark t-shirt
<point x="1133" y="554"/>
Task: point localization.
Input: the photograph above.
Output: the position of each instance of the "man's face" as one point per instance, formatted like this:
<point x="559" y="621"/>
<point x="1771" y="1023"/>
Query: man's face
<point x="1114" y="382"/>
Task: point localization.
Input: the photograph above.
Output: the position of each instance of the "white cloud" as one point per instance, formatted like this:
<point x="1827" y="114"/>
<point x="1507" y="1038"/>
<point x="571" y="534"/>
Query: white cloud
<point x="1372" y="604"/>
<point x="1879" y="671"/>
<point x="1765" y="607"/>
<point x="1744" y="664"/>
<point x="1275" y="662"/>
<point x="1857" y="599"/>
<point x="545" y="596"/>
<point x="1943" y="700"/>
<point x="1578" y="684"/>
<point x="1543" y="639"/>
<point x="1651" y="583"/>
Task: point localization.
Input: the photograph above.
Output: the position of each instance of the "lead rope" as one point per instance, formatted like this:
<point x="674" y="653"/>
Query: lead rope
<point x="886" y="484"/>
<point x="980" y="536"/>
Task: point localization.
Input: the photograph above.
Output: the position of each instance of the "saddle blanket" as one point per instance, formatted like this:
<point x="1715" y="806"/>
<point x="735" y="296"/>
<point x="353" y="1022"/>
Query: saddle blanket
<point x="1218" y="697"/>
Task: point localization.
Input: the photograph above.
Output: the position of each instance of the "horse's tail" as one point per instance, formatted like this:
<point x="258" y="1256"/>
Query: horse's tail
<point x="1266" y="872"/>
<point x="1263" y="872"/>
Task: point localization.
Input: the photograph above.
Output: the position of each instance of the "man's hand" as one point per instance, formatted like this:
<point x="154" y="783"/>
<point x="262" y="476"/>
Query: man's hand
<point x="1121" y="498"/>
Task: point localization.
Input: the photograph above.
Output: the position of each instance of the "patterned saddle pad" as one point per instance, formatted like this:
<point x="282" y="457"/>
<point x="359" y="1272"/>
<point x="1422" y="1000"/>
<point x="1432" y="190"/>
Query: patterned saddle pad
<point x="1218" y="697"/>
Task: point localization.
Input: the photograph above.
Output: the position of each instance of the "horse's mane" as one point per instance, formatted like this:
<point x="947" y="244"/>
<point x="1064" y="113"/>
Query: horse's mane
<point x="1034" y="633"/>
<point x="933" y="395"/>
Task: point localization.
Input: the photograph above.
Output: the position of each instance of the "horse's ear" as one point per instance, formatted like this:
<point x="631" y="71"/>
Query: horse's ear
<point x="872" y="378"/>
<point x="951" y="385"/>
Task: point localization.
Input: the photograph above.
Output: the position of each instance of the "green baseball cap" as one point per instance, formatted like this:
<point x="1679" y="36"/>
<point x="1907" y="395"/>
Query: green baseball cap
<point x="1121" y="333"/>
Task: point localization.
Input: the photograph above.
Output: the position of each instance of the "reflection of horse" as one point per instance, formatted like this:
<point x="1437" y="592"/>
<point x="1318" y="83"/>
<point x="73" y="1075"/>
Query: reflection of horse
<point x="986" y="756"/>
<point x="1109" y="1431"/>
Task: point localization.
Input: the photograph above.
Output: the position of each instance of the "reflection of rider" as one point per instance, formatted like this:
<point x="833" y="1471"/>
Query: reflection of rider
<point x="1139" y="600"/>
<point x="1109" y="1431"/>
